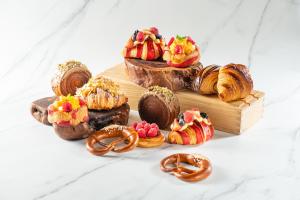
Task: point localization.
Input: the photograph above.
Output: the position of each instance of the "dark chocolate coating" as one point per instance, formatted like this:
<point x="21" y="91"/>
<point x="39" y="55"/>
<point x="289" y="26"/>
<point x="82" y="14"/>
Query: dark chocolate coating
<point x="78" y="132"/>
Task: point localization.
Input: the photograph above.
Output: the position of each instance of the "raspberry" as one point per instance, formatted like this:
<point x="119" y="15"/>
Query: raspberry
<point x="154" y="30"/>
<point x="152" y="132"/>
<point x="171" y="41"/>
<point x="142" y="133"/>
<point x="153" y="125"/>
<point x="178" y="49"/>
<point x="134" y="125"/>
<point x="139" y="126"/>
<point x="67" y="107"/>
<point x="140" y="37"/>
<point x="144" y="123"/>
<point x="147" y="127"/>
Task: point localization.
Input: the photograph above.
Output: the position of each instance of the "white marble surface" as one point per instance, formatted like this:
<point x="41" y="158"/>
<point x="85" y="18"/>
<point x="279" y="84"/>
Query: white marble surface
<point x="263" y="163"/>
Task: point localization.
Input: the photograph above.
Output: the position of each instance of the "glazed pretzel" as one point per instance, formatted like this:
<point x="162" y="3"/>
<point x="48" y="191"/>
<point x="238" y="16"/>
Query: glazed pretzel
<point x="186" y="174"/>
<point x="127" y="135"/>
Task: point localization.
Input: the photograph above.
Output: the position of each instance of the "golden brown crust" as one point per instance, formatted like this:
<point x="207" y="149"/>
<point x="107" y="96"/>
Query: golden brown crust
<point x="152" y="142"/>
<point x="101" y="93"/>
<point x="234" y="82"/>
<point x="70" y="76"/>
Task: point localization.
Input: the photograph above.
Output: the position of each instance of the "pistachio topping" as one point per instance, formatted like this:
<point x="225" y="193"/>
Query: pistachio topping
<point x="70" y="64"/>
<point x="162" y="91"/>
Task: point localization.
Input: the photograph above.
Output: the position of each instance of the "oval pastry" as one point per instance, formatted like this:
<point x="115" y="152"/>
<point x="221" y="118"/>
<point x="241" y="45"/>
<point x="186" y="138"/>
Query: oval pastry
<point x="146" y="44"/>
<point x="158" y="105"/>
<point x="191" y="127"/>
<point x="101" y="93"/>
<point x="70" y="76"/>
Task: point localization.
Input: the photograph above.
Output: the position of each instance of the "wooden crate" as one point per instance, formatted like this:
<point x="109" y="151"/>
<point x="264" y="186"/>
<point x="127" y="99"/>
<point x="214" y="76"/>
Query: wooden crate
<point x="234" y="117"/>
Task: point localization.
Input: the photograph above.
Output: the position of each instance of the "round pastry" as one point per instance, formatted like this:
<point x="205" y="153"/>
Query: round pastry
<point x="159" y="105"/>
<point x="70" y="76"/>
<point x="149" y="134"/>
<point x="234" y="82"/>
<point x="101" y="93"/>
<point x="146" y="44"/>
<point x="181" y="52"/>
<point x="126" y="135"/>
<point x="186" y="174"/>
<point x="191" y="127"/>
<point x="69" y="117"/>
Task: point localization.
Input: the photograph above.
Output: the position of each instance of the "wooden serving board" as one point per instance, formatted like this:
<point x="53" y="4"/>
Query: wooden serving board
<point x="234" y="117"/>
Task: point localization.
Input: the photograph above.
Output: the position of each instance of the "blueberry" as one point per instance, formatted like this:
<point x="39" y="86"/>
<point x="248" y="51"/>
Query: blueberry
<point x="204" y="115"/>
<point x="181" y="122"/>
<point x="134" y="35"/>
<point x="158" y="36"/>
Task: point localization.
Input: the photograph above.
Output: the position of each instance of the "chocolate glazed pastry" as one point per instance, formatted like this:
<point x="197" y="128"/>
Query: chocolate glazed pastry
<point x="151" y="73"/>
<point x="159" y="105"/>
<point x="97" y="119"/>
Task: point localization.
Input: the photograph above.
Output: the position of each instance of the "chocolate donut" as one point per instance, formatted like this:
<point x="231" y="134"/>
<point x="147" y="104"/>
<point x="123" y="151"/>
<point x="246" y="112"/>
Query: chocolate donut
<point x="159" y="105"/>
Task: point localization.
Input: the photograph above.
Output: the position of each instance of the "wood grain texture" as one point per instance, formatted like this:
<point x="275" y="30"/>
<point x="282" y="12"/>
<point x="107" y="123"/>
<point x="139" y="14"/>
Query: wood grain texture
<point x="234" y="117"/>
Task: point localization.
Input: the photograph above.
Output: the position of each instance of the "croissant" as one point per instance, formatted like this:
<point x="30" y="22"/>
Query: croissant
<point x="206" y="82"/>
<point x="101" y="93"/>
<point x="234" y="82"/>
<point x="70" y="76"/>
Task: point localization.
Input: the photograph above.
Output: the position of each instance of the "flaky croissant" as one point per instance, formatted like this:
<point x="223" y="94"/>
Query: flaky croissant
<point x="234" y="82"/>
<point x="206" y="82"/>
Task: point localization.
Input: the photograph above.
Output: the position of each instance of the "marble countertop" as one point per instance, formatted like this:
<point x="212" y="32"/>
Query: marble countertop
<point x="262" y="163"/>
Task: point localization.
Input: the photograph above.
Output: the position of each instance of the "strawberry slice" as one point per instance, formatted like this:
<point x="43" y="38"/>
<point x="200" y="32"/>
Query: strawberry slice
<point x="188" y="117"/>
<point x="171" y="41"/>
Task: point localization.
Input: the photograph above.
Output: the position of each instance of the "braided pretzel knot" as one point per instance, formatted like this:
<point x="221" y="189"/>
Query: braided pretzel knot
<point x="126" y="135"/>
<point x="186" y="174"/>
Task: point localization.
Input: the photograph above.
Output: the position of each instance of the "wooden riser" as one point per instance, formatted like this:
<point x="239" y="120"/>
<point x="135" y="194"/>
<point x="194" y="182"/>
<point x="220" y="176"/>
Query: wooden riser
<point x="234" y="117"/>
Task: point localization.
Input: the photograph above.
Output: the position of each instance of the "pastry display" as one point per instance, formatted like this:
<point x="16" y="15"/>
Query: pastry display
<point x="70" y="76"/>
<point x="101" y="93"/>
<point x="127" y="136"/>
<point x="149" y="134"/>
<point x="234" y="82"/>
<point x="206" y="82"/>
<point x="146" y="44"/>
<point x="69" y="116"/>
<point x="191" y="127"/>
<point x="184" y="173"/>
<point x="159" y="105"/>
<point x="97" y="119"/>
<point x="181" y="51"/>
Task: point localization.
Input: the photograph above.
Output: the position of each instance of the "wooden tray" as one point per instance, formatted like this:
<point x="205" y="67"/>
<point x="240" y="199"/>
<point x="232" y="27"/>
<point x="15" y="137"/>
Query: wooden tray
<point x="234" y="117"/>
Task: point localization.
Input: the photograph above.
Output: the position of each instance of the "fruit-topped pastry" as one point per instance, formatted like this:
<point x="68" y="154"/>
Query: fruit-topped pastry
<point x="191" y="127"/>
<point x="149" y="134"/>
<point x="181" y="51"/>
<point x="69" y="117"/>
<point x="101" y="93"/>
<point x="146" y="44"/>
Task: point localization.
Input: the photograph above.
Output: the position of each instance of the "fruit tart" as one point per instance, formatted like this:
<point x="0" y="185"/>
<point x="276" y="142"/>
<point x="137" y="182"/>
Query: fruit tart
<point x="101" y="93"/>
<point x="69" y="117"/>
<point x="149" y="134"/>
<point x="181" y="51"/>
<point x="146" y="44"/>
<point x="191" y="127"/>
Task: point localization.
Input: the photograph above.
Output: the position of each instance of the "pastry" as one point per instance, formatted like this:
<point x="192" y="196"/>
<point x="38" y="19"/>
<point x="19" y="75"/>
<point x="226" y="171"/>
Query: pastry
<point x="98" y="119"/>
<point x="158" y="105"/>
<point x="234" y="82"/>
<point x="191" y="127"/>
<point x="149" y="134"/>
<point x="184" y="173"/>
<point x="181" y="51"/>
<point x="69" y="116"/>
<point x="126" y="135"/>
<point x="101" y="93"/>
<point x="206" y="82"/>
<point x="70" y="76"/>
<point x="146" y="44"/>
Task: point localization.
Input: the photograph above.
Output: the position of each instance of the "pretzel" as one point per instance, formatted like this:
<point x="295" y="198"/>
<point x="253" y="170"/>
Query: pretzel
<point x="186" y="174"/>
<point x="127" y="135"/>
